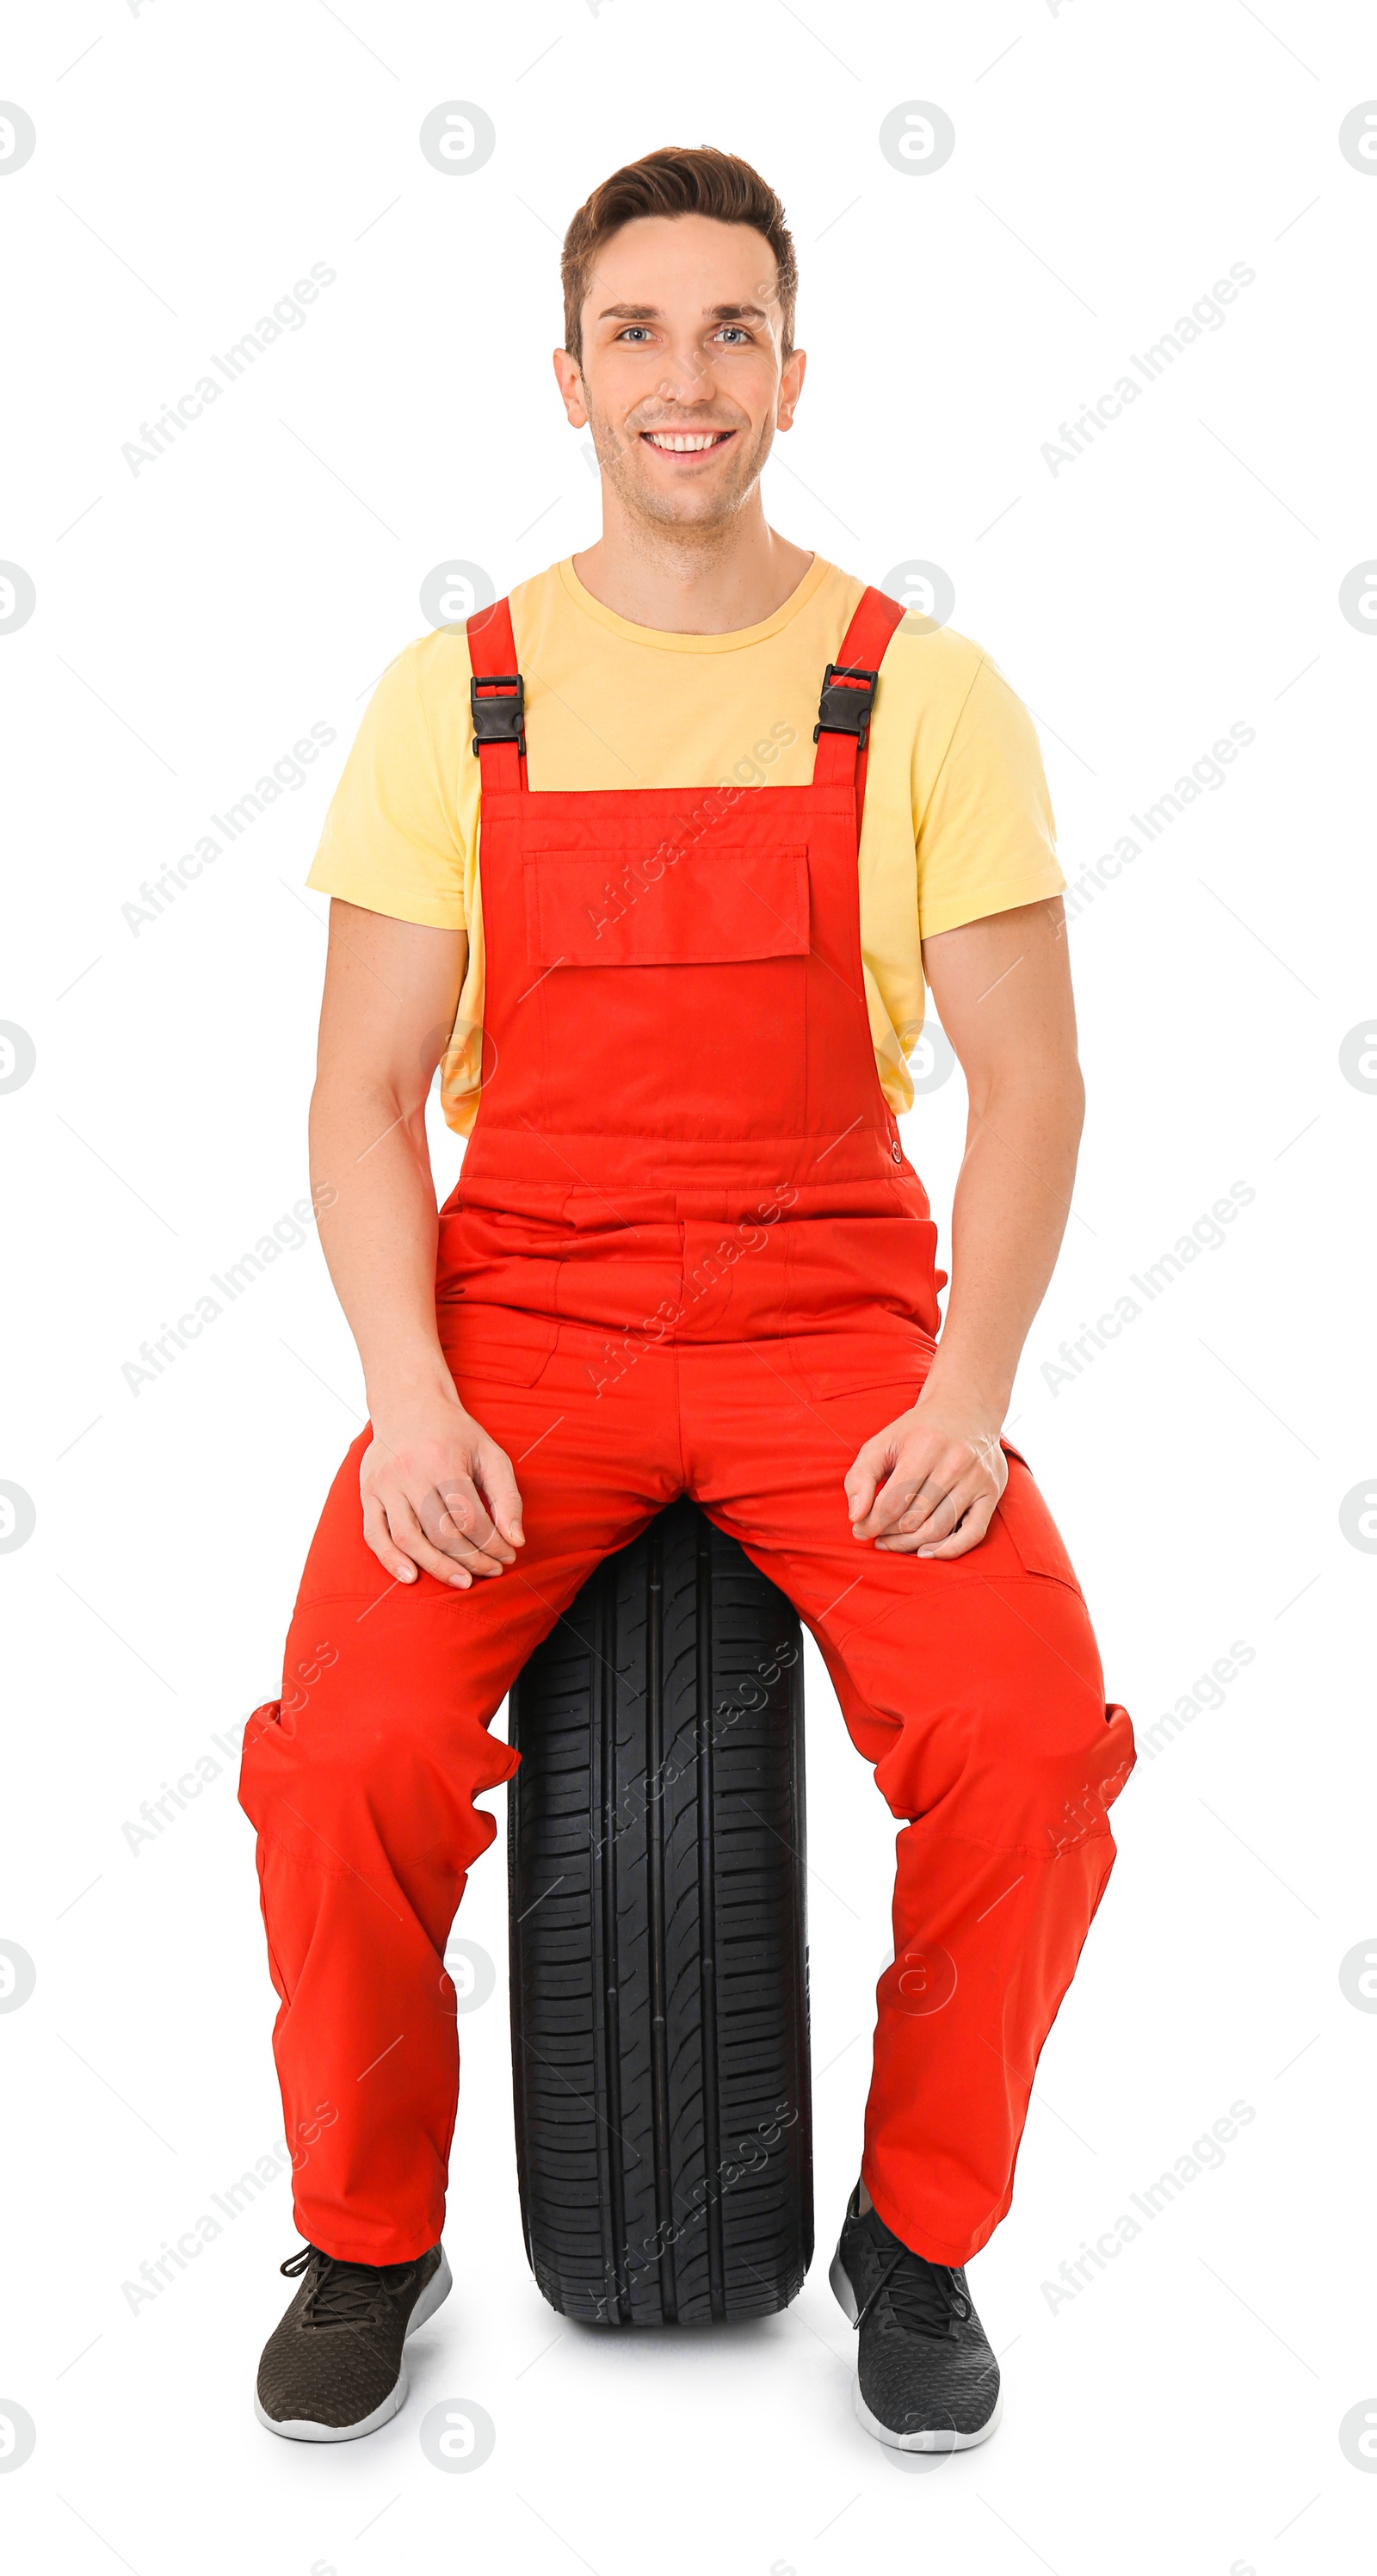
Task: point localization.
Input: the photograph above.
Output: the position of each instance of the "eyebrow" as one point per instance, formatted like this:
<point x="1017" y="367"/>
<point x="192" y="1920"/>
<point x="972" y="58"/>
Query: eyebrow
<point x="711" y="313"/>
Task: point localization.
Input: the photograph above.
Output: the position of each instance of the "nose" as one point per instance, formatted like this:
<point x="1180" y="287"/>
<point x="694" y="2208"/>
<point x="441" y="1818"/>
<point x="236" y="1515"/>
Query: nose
<point x="687" y="377"/>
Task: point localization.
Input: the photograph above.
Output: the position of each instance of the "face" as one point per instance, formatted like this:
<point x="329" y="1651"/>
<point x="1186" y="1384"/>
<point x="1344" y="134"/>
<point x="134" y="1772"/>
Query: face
<point x="683" y="382"/>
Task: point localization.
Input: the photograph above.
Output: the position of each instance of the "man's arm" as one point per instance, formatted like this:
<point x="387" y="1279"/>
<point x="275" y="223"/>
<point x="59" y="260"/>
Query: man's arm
<point x="1002" y="987"/>
<point x="437" y="1492"/>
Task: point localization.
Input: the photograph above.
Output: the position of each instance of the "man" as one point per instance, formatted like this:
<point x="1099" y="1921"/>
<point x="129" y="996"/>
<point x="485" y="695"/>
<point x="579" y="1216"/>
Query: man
<point x="671" y="980"/>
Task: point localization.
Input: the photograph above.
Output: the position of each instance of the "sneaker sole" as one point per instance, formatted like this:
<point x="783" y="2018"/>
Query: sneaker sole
<point x="300" y="2428"/>
<point x="940" y="2437"/>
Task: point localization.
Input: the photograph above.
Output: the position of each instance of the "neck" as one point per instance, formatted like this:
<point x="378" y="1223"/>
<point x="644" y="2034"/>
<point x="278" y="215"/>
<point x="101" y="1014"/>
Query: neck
<point x="691" y="581"/>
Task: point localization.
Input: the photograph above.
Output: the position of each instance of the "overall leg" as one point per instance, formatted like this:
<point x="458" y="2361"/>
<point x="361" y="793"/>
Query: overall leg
<point x="974" y="1686"/>
<point x="361" y="1781"/>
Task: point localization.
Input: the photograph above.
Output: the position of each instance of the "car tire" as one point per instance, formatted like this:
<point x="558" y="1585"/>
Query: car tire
<point x="659" y="1976"/>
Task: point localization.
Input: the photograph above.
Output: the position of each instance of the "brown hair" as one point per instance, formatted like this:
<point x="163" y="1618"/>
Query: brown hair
<point x="679" y="179"/>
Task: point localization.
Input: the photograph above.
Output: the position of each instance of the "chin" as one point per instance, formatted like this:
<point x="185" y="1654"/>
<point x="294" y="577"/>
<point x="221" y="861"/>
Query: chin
<point x="688" y="509"/>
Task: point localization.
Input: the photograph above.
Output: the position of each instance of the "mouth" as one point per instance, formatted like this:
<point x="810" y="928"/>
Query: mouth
<point x="686" y="442"/>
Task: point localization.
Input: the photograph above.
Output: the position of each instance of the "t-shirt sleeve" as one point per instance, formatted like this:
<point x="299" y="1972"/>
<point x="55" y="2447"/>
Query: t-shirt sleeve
<point x="391" y="841"/>
<point x="986" y="836"/>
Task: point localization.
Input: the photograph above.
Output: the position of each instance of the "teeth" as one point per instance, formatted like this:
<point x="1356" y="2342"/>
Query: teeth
<point x="681" y="441"/>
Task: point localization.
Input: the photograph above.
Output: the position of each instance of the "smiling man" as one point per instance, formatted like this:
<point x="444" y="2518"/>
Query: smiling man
<point x="668" y="937"/>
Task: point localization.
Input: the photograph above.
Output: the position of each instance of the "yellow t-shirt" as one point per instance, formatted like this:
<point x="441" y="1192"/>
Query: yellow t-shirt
<point x="957" y="822"/>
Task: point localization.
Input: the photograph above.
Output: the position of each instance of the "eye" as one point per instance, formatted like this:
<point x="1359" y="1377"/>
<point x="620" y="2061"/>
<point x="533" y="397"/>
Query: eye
<point x="734" y="331"/>
<point x="634" y="329"/>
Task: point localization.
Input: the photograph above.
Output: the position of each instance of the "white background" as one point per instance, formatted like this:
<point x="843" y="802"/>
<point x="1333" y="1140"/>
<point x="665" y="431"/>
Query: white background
<point x="195" y="619"/>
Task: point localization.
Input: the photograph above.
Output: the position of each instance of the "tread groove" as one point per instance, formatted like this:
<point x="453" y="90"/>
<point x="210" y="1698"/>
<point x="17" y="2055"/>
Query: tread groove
<point x="655" y="1892"/>
<point x="707" y="1903"/>
<point x="604" y="1681"/>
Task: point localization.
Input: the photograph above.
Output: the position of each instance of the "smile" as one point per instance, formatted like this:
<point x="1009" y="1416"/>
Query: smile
<point x="686" y="442"/>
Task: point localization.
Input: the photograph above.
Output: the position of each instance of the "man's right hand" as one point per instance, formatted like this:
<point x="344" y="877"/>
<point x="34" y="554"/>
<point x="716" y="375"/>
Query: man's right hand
<point x="438" y="1495"/>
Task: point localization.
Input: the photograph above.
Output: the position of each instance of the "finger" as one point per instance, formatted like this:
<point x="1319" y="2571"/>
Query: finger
<point x="384" y="1546"/>
<point x="408" y="1533"/>
<point x="455" y="1518"/>
<point x="864" y="1477"/>
<point x="969" y="1533"/>
<point x="917" y="1491"/>
<point x="911" y="1485"/>
<point x="459" y="1560"/>
<point x="861" y="1482"/>
<point x="933" y="1513"/>
<point x="496" y="1478"/>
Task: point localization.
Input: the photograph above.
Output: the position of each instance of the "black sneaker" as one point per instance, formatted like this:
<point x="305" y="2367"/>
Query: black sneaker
<point x="334" y="2368"/>
<point x="926" y="2379"/>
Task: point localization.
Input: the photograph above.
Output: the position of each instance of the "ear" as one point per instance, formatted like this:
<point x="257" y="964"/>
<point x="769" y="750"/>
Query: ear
<point x="790" y="387"/>
<point x="569" y="378"/>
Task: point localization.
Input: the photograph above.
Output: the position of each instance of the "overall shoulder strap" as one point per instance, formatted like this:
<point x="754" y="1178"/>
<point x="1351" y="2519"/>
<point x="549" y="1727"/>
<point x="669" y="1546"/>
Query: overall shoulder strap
<point x="848" y="696"/>
<point x="497" y="698"/>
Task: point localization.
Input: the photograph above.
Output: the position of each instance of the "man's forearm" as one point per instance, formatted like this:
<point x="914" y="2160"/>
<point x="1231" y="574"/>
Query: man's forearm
<point x="379" y="1237"/>
<point x="1009" y="1213"/>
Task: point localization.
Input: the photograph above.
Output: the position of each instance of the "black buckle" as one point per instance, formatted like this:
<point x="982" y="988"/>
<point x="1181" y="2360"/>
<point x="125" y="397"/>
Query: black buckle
<point x="845" y="709"/>
<point x="499" y="719"/>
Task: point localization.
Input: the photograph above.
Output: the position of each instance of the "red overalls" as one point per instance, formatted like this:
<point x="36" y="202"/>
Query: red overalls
<point x="686" y="1253"/>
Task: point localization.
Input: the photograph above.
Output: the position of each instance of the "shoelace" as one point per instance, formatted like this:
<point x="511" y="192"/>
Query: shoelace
<point x="925" y="2297"/>
<point x="343" y="2294"/>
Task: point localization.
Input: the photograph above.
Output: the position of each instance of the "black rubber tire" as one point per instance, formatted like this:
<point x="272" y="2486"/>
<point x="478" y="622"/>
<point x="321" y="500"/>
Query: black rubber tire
<point x="659" y="1963"/>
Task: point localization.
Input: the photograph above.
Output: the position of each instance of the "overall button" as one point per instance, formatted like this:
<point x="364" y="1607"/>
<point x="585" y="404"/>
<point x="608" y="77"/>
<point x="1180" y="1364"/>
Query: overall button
<point x="895" y="1153"/>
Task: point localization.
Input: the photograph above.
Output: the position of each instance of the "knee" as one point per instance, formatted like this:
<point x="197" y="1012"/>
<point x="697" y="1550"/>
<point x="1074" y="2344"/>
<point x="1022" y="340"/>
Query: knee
<point x="354" y="1775"/>
<point x="1035" y="1771"/>
<point x="1046" y="1784"/>
<point x="305" y="1785"/>
<point x="1088" y="1786"/>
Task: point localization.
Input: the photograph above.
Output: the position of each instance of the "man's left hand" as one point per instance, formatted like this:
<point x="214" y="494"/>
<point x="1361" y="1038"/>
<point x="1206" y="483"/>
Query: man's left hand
<point x="927" y="1485"/>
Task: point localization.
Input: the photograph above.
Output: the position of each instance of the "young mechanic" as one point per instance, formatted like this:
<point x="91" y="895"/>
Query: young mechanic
<point x="671" y="981"/>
